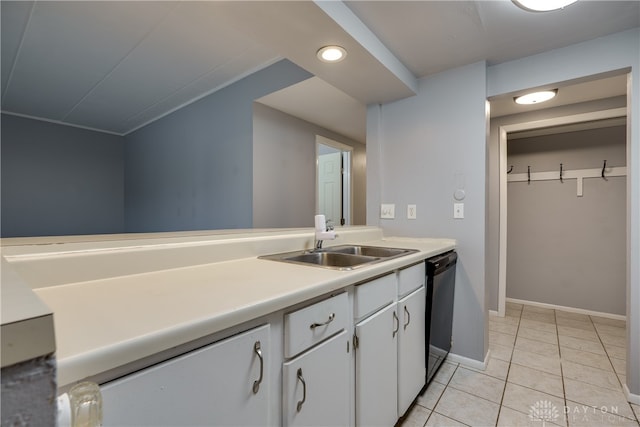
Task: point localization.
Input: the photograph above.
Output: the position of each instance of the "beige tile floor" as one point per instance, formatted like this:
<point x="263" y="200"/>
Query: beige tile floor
<point x="546" y="368"/>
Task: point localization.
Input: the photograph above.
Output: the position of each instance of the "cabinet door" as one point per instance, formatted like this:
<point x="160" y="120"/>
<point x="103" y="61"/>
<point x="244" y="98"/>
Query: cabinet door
<point x="411" y="348"/>
<point x="316" y="385"/>
<point x="376" y="369"/>
<point x="210" y="386"/>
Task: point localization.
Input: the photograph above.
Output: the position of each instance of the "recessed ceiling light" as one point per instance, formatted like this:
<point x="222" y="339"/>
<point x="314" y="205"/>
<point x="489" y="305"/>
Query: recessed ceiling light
<point x="331" y="54"/>
<point x="543" y="5"/>
<point x="536" y="97"/>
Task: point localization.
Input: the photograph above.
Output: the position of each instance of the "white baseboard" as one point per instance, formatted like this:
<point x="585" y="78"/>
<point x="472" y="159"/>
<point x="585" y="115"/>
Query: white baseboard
<point x="632" y="398"/>
<point x="569" y="309"/>
<point x="469" y="363"/>
<point x="493" y="313"/>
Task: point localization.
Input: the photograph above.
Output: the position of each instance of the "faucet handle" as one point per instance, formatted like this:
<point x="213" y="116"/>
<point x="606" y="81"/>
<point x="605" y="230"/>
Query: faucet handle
<point x="329" y="225"/>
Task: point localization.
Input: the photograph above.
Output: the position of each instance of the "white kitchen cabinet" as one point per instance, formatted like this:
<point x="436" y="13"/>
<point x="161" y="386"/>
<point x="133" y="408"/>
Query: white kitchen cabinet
<point x="411" y="348"/>
<point x="376" y="364"/>
<point x="226" y="383"/>
<point x="316" y="385"/>
<point x="390" y="351"/>
<point x="315" y="382"/>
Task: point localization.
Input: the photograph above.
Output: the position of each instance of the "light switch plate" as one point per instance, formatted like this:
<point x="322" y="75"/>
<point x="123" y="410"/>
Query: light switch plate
<point x="387" y="211"/>
<point x="411" y="212"/>
<point x="458" y="210"/>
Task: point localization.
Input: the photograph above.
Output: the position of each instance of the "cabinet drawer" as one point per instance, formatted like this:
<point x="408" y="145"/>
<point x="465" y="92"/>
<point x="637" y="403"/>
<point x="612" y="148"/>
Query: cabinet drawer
<point x="374" y="295"/>
<point x="410" y="279"/>
<point x="308" y="326"/>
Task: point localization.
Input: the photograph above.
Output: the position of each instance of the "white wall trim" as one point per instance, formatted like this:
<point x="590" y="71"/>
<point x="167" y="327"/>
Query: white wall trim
<point x="503" y="130"/>
<point x="469" y="363"/>
<point x="495" y="313"/>
<point x="569" y="309"/>
<point x="578" y="174"/>
<point x="236" y="79"/>
<point x="343" y="148"/>
<point x="632" y="398"/>
<point x="61" y="123"/>
<point x="502" y="228"/>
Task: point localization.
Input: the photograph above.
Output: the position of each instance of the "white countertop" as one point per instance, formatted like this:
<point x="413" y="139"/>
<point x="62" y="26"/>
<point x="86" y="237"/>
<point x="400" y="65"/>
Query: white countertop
<point x="103" y="324"/>
<point x="23" y="313"/>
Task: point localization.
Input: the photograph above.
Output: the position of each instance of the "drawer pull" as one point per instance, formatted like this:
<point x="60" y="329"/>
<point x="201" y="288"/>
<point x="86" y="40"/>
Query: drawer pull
<point x="408" y="317"/>
<point x="315" y="325"/>
<point x="304" y="390"/>
<point x="397" y="323"/>
<point x="258" y="351"/>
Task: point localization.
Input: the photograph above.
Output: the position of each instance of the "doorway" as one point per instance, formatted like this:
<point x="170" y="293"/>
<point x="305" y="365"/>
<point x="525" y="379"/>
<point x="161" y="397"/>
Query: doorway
<point x="504" y="167"/>
<point x="333" y="181"/>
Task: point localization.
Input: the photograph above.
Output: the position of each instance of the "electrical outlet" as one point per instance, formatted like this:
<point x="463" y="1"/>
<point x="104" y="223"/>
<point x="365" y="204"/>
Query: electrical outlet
<point x="458" y="210"/>
<point x="411" y="212"/>
<point x="387" y="211"/>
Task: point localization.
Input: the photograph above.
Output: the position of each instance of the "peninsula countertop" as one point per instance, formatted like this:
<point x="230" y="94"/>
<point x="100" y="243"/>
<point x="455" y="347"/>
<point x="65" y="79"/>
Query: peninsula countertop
<point x="105" y="323"/>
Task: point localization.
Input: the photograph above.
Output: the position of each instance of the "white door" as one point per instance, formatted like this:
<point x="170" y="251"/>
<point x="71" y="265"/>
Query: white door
<point x="411" y="348"/>
<point x="329" y="186"/>
<point x="315" y="386"/>
<point x="210" y="386"/>
<point x="376" y="369"/>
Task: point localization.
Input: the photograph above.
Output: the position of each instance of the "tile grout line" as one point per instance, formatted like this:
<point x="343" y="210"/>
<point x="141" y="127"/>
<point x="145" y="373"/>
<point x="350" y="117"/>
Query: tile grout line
<point x="433" y="411"/>
<point x="614" y="369"/>
<point x="506" y="380"/>
<point x="564" y="389"/>
<point x="578" y="363"/>
<point x="607" y="354"/>
<point x="635" y="416"/>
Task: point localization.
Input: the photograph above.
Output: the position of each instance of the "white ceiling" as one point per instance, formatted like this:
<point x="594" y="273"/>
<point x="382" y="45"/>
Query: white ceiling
<point x="432" y="36"/>
<point x="316" y="101"/>
<point x="115" y="66"/>
<point x="572" y="94"/>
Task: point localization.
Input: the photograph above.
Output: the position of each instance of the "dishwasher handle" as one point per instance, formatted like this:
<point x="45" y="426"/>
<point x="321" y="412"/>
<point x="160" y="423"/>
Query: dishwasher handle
<point x="440" y="263"/>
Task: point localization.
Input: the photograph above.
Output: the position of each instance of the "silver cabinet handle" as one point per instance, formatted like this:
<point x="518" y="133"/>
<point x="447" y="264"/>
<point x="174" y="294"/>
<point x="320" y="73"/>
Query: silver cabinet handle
<point x="397" y="323"/>
<point x="315" y="325"/>
<point x="258" y="351"/>
<point x="304" y="390"/>
<point x="408" y="317"/>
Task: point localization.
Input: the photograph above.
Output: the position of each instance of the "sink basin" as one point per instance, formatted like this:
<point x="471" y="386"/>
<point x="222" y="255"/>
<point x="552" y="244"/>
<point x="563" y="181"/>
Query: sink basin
<point x="330" y="259"/>
<point x="344" y="257"/>
<point x="373" y="251"/>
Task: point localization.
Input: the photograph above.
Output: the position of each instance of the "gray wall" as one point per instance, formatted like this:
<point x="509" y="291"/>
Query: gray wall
<point x="193" y="169"/>
<point x="450" y="119"/>
<point x="620" y="51"/>
<point x="419" y="151"/>
<point x="493" y="173"/>
<point x="60" y="180"/>
<point x="563" y="249"/>
<point x="284" y="170"/>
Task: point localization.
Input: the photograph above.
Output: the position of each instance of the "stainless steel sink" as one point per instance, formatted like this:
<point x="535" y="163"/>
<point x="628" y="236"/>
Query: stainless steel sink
<point x="345" y="257"/>
<point x="373" y="251"/>
<point x="331" y="259"/>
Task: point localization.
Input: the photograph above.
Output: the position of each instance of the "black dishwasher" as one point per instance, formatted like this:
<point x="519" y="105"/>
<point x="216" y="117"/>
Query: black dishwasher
<point x="441" y="278"/>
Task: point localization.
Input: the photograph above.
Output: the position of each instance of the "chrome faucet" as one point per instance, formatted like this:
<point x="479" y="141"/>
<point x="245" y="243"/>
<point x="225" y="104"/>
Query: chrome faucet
<point x="323" y="231"/>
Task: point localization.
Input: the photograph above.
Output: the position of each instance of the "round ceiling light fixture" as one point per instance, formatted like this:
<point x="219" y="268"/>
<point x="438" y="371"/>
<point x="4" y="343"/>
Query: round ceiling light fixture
<point x="543" y="5"/>
<point x="331" y="53"/>
<point x="536" y="97"/>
